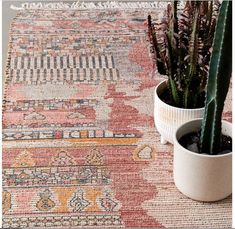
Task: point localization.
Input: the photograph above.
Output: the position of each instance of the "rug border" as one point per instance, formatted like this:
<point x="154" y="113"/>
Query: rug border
<point x="7" y="64"/>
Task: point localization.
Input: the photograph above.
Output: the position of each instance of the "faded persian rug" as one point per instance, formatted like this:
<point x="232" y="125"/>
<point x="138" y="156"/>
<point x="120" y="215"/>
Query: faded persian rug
<point x="79" y="144"/>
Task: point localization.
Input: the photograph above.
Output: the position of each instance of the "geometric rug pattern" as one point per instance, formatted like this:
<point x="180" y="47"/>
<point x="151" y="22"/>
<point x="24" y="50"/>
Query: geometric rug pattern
<point x="80" y="148"/>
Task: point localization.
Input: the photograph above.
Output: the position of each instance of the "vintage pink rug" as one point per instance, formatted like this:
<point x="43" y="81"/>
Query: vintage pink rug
<point x="79" y="144"/>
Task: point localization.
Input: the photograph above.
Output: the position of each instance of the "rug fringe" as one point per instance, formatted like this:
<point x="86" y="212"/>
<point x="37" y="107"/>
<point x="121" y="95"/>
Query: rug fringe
<point x="90" y="5"/>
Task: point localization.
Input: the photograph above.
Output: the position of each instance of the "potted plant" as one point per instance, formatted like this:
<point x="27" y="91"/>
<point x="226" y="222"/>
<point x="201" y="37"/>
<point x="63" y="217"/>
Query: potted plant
<point x="182" y="46"/>
<point x="203" y="147"/>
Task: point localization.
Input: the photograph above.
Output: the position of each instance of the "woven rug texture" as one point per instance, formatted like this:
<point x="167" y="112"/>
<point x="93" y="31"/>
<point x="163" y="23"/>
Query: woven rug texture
<point x="80" y="148"/>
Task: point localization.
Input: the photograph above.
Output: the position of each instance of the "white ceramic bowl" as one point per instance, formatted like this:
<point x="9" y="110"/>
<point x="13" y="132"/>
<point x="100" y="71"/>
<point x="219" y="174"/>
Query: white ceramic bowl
<point x="202" y="177"/>
<point x="167" y="118"/>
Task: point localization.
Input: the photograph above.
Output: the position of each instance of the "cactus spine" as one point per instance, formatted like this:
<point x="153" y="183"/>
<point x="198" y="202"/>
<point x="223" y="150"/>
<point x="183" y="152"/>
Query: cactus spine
<point x="218" y="81"/>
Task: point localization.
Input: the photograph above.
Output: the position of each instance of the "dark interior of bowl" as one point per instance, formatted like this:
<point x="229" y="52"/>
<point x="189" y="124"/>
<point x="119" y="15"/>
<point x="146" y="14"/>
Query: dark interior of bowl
<point x="191" y="141"/>
<point x="166" y="97"/>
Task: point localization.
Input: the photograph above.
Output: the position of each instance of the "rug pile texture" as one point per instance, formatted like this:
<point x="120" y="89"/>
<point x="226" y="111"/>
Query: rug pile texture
<point x="80" y="148"/>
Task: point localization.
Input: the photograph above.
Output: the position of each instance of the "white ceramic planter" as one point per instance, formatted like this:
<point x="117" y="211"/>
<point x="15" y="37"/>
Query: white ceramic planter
<point x="167" y="118"/>
<point x="202" y="177"/>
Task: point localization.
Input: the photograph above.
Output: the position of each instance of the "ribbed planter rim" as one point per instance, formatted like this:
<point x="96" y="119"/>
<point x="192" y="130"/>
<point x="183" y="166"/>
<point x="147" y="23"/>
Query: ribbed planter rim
<point x="177" y="108"/>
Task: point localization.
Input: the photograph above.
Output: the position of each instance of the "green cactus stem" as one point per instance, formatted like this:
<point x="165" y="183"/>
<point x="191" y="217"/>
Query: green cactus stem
<point x="193" y="55"/>
<point x="218" y="81"/>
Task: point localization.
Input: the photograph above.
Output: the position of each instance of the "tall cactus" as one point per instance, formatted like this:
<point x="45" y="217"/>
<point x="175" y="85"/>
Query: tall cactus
<point x="218" y="81"/>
